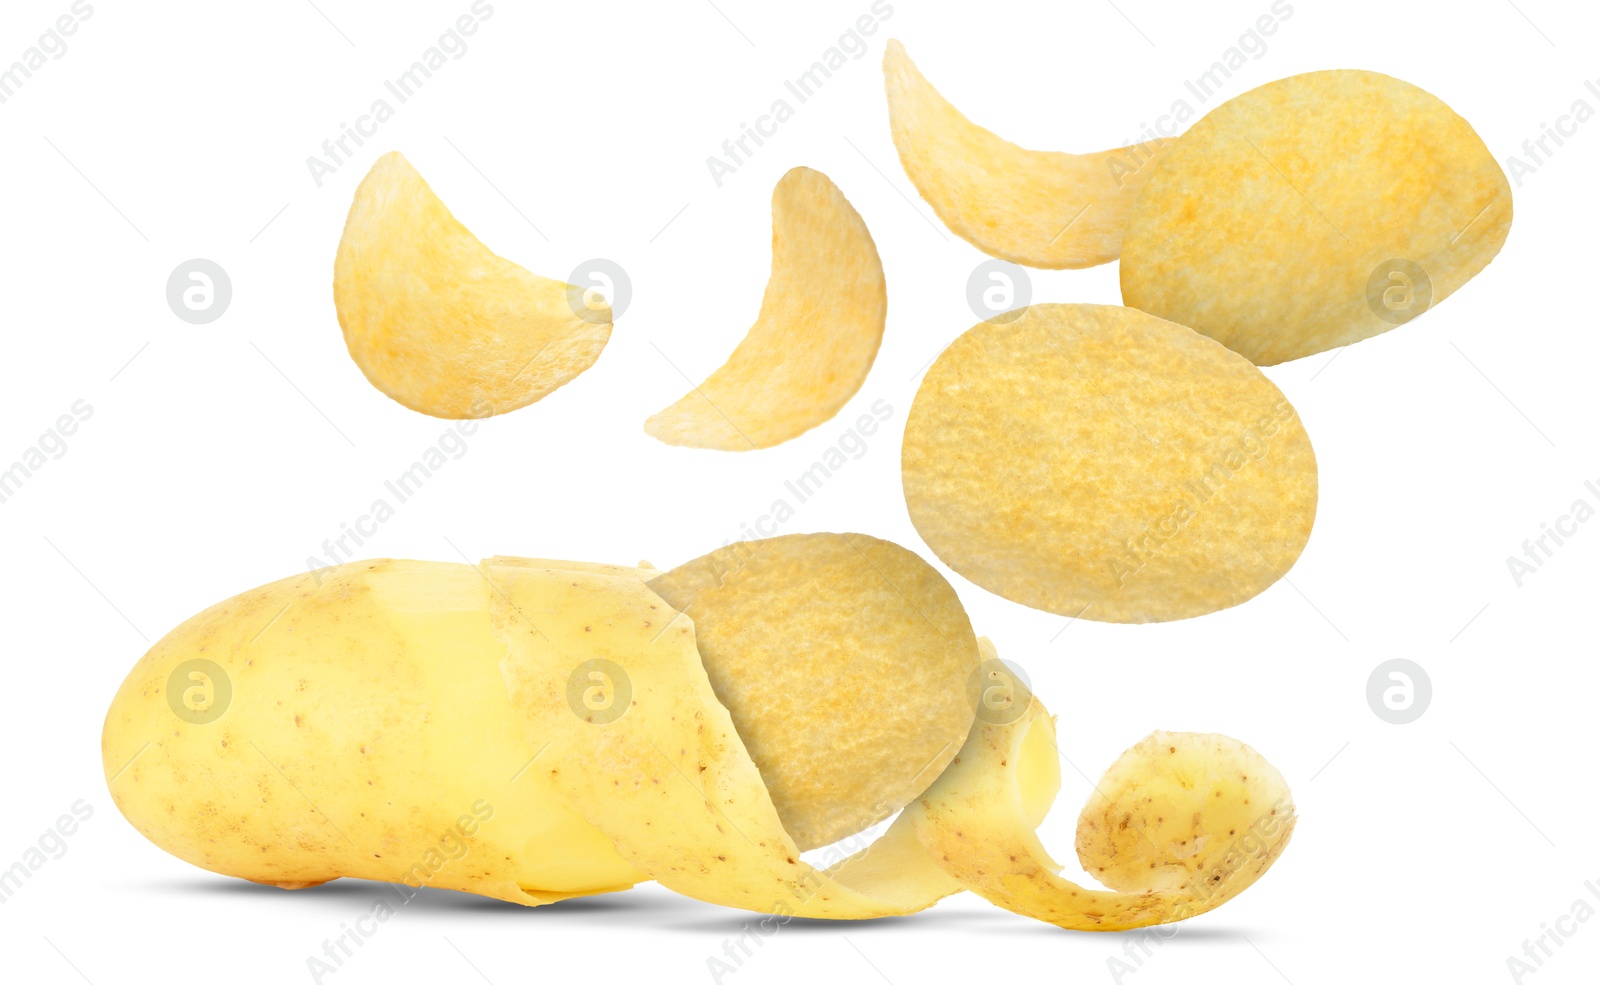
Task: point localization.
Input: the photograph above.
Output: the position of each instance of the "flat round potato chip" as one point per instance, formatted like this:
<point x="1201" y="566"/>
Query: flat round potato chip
<point x="1313" y="212"/>
<point x="1100" y="462"/>
<point x="818" y="332"/>
<point x="441" y="324"/>
<point x="843" y="660"/>
<point x="1039" y="208"/>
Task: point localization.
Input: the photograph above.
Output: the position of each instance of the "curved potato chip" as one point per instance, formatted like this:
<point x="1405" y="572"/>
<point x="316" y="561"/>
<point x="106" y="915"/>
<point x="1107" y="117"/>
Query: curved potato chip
<point x="1099" y="462"/>
<point x="1313" y="212"/>
<point x="810" y="637"/>
<point x="1039" y="208"/>
<point x="817" y="335"/>
<point x="437" y="321"/>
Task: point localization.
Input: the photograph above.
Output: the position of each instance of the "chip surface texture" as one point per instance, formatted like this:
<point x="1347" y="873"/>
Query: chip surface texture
<point x="1313" y="212"/>
<point x="1100" y="462"/>
<point x="846" y="660"/>
<point x="1040" y="208"/>
<point x="816" y="337"/>
<point x="439" y="322"/>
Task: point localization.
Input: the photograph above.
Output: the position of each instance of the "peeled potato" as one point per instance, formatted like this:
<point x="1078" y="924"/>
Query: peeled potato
<point x="1313" y="212"/>
<point x="1040" y="208"/>
<point x="367" y="717"/>
<point x="815" y="339"/>
<point x="1102" y="463"/>
<point x="816" y="636"/>
<point x="867" y="619"/>
<point x="441" y="324"/>
<point x="532" y="730"/>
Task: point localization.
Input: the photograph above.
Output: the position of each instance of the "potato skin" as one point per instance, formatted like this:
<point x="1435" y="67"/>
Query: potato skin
<point x="367" y="734"/>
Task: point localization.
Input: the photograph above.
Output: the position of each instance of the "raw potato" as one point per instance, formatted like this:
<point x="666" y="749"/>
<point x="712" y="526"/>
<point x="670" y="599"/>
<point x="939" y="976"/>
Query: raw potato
<point x="794" y="631"/>
<point x="441" y="324"/>
<point x="444" y="725"/>
<point x="1313" y="212"/>
<point x="816" y="337"/>
<point x="1102" y="463"/>
<point x="1039" y="208"/>
<point x="368" y="715"/>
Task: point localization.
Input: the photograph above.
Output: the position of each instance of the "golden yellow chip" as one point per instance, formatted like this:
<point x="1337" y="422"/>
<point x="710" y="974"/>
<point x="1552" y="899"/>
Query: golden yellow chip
<point x="441" y="324"/>
<point x="818" y="332"/>
<point x="1100" y="462"/>
<point x="1040" y="208"/>
<point x="1313" y="212"/>
<point x="809" y="637"/>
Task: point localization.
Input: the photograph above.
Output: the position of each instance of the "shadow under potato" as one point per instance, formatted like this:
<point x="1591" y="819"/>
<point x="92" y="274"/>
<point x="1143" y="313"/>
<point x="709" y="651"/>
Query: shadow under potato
<point x="662" y="909"/>
<point x="347" y="892"/>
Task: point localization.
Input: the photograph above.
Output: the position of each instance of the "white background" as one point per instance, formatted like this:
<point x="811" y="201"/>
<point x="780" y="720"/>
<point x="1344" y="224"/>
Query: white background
<point x="222" y="455"/>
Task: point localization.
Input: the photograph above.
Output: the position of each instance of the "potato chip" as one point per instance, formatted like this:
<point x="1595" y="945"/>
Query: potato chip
<point x="1313" y="212"/>
<point x="815" y="339"/>
<point x="1040" y="208"/>
<point x="809" y="637"/>
<point x="441" y="324"/>
<point x="1100" y="462"/>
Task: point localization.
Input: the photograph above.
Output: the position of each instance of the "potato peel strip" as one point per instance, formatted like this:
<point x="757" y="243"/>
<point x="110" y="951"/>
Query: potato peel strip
<point x="670" y="783"/>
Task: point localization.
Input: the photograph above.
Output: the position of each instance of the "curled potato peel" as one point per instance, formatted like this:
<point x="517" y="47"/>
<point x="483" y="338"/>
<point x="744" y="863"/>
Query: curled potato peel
<point x="644" y="776"/>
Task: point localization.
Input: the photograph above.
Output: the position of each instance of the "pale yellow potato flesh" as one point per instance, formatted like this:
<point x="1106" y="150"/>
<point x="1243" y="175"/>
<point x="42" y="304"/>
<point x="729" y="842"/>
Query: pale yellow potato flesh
<point x="816" y="337"/>
<point x="852" y="652"/>
<point x="1102" y="463"/>
<point x="1267" y="225"/>
<point x="368" y="715"/>
<point x="1038" y="208"/>
<point x="373" y="712"/>
<point x="439" y="322"/>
